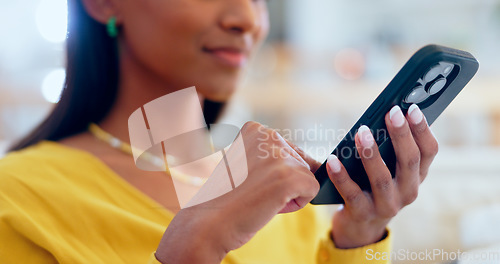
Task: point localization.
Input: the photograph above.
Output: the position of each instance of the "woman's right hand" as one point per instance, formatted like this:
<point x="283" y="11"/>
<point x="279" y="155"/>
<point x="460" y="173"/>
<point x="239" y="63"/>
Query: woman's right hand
<point x="278" y="181"/>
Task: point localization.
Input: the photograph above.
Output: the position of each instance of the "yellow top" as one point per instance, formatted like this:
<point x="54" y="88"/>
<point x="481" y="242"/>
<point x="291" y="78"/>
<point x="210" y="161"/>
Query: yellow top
<point x="63" y="205"/>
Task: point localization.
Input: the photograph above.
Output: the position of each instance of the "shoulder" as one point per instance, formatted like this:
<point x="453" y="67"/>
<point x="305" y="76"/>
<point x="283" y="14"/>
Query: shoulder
<point x="47" y="180"/>
<point x="37" y="159"/>
<point x="41" y="168"/>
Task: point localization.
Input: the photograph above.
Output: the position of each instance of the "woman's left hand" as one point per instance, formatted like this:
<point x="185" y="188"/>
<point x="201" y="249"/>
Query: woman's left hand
<point x="364" y="217"/>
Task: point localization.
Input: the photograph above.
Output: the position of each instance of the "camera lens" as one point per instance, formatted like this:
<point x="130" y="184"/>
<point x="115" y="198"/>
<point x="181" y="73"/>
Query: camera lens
<point x="447" y="68"/>
<point x="437" y="86"/>
<point x="443" y="68"/>
<point x="417" y="95"/>
<point x="433" y="73"/>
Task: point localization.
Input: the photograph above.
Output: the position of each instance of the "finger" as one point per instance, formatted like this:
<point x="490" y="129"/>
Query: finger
<point x="424" y="138"/>
<point x="286" y="148"/>
<point x="301" y="190"/>
<point x="280" y="146"/>
<point x="407" y="155"/>
<point x="291" y="206"/>
<point x="350" y="191"/>
<point x="378" y="173"/>
<point x="313" y="164"/>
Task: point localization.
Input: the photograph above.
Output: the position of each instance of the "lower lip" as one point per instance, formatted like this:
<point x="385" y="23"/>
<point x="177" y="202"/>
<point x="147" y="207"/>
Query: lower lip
<point x="229" y="58"/>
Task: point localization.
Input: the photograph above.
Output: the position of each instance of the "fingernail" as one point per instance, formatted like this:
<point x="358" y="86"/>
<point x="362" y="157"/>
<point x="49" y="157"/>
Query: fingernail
<point x="415" y="114"/>
<point x="334" y="163"/>
<point x="365" y="136"/>
<point x="396" y="116"/>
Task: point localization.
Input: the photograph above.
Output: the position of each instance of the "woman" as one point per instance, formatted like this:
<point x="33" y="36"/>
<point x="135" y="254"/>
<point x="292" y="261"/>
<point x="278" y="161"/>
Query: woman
<point x="68" y="197"/>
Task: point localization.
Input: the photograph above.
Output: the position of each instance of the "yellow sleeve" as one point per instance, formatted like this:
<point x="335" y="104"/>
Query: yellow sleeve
<point x="377" y="253"/>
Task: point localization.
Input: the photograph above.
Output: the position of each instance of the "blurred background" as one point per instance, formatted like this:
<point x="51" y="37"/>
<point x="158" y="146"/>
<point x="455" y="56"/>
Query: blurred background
<point x="324" y="62"/>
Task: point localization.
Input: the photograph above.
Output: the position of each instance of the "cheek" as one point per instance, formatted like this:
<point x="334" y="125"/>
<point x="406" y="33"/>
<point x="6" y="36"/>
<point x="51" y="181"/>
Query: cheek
<point x="164" y="36"/>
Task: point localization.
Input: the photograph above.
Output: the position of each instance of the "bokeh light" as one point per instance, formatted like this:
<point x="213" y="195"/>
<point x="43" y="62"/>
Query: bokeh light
<point x="52" y="85"/>
<point x="52" y="20"/>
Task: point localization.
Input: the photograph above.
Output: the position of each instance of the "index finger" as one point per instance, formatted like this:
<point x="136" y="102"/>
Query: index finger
<point x="313" y="164"/>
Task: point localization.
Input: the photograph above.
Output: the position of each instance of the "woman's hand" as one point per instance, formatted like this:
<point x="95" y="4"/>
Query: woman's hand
<point x="278" y="181"/>
<point x="364" y="217"/>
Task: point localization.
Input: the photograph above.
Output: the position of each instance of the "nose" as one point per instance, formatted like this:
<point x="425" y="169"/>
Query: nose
<point x="240" y="16"/>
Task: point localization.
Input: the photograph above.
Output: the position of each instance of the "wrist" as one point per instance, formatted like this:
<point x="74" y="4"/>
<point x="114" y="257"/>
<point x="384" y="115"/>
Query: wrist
<point x="192" y="254"/>
<point x="357" y="235"/>
<point x="191" y="239"/>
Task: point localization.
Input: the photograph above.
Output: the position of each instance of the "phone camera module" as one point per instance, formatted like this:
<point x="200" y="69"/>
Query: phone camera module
<point x="431" y="83"/>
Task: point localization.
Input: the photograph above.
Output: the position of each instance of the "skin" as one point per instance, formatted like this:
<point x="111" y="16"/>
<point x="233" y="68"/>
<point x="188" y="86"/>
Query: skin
<point x="174" y="44"/>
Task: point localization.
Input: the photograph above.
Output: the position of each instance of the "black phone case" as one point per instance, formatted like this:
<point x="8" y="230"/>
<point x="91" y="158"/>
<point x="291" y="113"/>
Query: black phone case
<point x="394" y="94"/>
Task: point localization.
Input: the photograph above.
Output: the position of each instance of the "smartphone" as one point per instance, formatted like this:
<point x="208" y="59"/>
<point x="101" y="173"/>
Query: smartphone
<point x="432" y="78"/>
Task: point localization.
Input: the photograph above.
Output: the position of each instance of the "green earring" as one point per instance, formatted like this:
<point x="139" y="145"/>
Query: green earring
<point x="111" y="27"/>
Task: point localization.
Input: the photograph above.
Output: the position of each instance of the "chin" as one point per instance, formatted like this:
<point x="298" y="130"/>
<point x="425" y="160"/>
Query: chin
<point x="217" y="96"/>
<point x="217" y="93"/>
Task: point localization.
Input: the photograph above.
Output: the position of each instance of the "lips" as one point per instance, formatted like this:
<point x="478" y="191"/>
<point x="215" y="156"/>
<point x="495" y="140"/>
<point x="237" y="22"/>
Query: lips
<point x="228" y="56"/>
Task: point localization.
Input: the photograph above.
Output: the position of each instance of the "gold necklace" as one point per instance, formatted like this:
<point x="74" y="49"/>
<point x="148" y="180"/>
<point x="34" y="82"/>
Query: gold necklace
<point x="116" y="143"/>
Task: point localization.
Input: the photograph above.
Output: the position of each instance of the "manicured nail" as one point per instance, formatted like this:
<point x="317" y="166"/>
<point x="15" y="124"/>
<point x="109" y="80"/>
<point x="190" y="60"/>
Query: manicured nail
<point x="334" y="163"/>
<point x="365" y="136"/>
<point x="415" y="114"/>
<point x="396" y="116"/>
